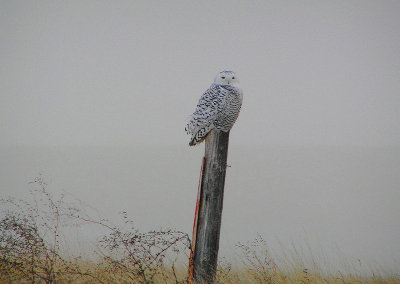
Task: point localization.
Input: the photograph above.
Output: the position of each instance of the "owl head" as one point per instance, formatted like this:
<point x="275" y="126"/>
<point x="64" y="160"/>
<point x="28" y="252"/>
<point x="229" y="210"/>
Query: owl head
<point x="226" y="78"/>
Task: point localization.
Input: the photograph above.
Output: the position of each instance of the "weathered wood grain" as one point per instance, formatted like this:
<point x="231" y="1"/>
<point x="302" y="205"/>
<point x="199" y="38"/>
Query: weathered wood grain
<point x="210" y="208"/>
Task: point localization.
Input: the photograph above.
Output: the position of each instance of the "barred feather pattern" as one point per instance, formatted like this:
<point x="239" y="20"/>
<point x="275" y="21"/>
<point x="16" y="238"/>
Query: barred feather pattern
<point x="218" y="108"/>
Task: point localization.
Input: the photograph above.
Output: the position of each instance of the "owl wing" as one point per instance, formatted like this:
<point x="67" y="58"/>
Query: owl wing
<point x="201" y="122"/>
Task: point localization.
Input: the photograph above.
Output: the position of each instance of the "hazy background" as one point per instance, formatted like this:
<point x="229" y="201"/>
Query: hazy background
<point x="95" y="94"/>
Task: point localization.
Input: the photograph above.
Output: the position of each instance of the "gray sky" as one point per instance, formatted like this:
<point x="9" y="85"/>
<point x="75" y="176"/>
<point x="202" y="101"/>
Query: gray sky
<point x="120" y="73"/>
<point x="315" y="148"/>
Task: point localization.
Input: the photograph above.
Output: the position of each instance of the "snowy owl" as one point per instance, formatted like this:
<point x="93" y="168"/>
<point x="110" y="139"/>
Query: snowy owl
<point x="218" y="108"/>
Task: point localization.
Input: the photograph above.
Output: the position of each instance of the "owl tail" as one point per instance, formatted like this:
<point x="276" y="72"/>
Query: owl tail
<point x="200" y="135"/>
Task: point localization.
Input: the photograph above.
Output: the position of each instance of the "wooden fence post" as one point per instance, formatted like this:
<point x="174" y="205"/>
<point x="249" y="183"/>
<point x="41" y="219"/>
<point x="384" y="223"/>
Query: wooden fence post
<point x="210" y="207"/>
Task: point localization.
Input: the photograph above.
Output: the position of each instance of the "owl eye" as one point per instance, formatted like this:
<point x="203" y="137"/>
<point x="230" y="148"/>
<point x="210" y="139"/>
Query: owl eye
<point x="233" y="78"/>
<point x="223" y="77"/>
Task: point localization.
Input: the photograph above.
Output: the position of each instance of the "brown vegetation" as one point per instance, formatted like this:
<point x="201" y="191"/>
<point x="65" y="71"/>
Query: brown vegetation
<point x="32" y="249"/>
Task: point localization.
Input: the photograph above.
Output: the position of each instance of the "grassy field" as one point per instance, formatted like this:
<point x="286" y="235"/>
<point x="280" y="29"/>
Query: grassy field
<point x="34" y="249"/>
<point x="92" y="272"/>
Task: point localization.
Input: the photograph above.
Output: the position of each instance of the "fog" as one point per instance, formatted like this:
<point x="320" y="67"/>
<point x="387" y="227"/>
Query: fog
<point x="95" y="95"/>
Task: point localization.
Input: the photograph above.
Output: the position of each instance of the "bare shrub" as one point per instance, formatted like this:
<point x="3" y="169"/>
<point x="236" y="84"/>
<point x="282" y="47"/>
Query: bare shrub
<point x="32" y="244"/>
<point x="30" y="238"/>
<point x="140" y="257"/>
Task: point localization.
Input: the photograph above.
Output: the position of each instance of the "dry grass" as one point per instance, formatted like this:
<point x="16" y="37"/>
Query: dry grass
<point x="301" y="276"/>
<point x="97" y="273"/>
<point x="32" y="250"/>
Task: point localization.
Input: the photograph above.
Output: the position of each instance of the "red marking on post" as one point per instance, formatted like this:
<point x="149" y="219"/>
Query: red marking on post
<point x="195" y="222"/>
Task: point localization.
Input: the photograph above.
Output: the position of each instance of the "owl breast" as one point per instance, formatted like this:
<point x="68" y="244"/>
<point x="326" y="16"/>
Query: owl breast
<point x="227" y="117"/>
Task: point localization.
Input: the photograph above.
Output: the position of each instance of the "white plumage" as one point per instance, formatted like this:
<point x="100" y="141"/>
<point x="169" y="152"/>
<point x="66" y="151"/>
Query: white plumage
<point x="218" y="108"/>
